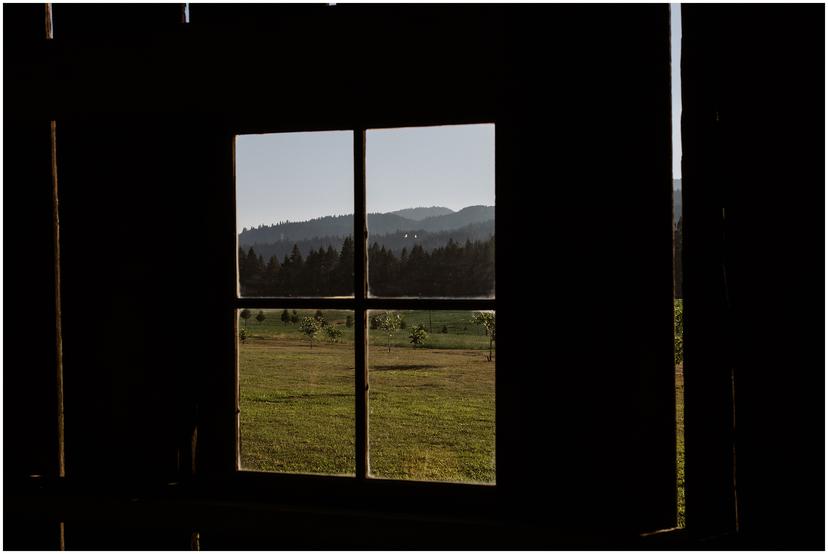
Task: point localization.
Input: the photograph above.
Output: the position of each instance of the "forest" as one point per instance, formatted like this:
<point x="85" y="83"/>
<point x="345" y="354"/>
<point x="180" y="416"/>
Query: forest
<point x="454" y="269"/>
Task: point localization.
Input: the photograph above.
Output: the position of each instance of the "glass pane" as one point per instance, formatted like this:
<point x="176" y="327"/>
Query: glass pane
<point x="295" y="203"/>
<point x="432" y="395"/>
<point x="296" y="390"/>
<point x="430" y="201"/>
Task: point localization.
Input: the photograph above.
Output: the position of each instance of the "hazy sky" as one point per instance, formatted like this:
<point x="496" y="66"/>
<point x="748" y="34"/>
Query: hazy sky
<point x="450" y="166"/>
<point x="293" y="176"/>
<point x="299" y="176"/>
<point x="675" y="44"/>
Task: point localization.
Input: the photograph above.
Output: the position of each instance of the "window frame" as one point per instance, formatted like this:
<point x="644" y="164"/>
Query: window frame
<point x="473" y="496"/>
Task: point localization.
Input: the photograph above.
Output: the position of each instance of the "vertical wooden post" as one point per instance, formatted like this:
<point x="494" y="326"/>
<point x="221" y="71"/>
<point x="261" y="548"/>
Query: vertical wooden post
<point x="58" y="330"/>
<point x="360" y="292"/>
<point x="49" y="30"/>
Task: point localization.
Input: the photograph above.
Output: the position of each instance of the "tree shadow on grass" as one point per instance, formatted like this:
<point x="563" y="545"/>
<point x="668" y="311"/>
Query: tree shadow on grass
<point x="402" y="367"/>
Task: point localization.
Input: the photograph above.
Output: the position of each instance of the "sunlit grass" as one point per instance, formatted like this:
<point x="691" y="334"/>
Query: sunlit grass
<point x="432" y="415"/>
<point x="431" y="409"/>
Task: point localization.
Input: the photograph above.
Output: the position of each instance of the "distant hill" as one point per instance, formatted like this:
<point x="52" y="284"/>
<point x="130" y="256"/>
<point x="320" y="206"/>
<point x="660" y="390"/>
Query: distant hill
<point x="418" y="214"/>
<point x="466" y="216"/>
<point x="391" y="241"/>
<point x="378" y="224"/>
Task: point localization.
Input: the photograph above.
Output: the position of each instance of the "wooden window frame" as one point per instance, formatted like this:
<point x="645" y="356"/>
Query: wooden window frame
<point x="480" y="495"/>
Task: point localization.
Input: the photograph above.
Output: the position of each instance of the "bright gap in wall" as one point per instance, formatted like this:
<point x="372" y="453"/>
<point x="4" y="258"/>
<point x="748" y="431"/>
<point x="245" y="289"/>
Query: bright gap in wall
<point x="678" y="302"/>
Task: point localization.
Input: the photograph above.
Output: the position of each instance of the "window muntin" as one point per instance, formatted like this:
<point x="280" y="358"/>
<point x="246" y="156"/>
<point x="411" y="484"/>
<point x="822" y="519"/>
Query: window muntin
<point x="360" y="304"/>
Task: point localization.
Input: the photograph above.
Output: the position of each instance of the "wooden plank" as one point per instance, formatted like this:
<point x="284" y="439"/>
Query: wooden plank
<point x="58" y="321"/>
<point x="360" y="292"/>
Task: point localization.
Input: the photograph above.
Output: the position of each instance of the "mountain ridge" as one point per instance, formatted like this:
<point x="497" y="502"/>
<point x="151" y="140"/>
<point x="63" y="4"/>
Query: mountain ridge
<point x="420" y="213"/>
<point x="378" y="224"/>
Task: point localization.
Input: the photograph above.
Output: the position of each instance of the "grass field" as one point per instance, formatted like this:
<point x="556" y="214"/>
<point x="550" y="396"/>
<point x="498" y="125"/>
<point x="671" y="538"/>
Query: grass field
<point x="431" y="409"/>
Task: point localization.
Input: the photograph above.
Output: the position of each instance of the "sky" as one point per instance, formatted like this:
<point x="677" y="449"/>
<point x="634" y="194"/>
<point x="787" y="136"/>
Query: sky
<point x="293" y="176"/>
<point x="675" y="47"/>
<point x="299" y="176"/>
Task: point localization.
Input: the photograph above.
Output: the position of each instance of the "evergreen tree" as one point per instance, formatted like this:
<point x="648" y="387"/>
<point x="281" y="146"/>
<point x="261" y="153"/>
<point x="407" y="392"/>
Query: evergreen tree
<point x="345" y="268"/>
<point x="311" y="275"/>
<point x="349" y="322"/>
<point x="271" y="277"/>
<point x="285" y="317"/>
<point x="244" y="272"/>
<point x="329" y="260"/>
<point x="260" y="316"/>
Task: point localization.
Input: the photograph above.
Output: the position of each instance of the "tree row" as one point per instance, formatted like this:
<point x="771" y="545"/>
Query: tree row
<point x="450" y="270"/>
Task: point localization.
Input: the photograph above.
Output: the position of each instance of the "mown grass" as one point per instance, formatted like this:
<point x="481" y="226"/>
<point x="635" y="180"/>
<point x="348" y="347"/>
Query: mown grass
<point x="432" y="415"/>
<point x="431" y="409"/>
<point x="297" y="407"/>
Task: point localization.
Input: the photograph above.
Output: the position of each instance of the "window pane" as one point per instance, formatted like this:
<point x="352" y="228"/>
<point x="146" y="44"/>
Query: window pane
<point x="430" y="200"/>
<point x="296" y="390"/>
<point x="295" y="203"/>
<point x="432" y="395"/>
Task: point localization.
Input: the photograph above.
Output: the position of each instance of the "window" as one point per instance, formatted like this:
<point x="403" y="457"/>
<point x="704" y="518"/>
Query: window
<point x="374" y="357"/>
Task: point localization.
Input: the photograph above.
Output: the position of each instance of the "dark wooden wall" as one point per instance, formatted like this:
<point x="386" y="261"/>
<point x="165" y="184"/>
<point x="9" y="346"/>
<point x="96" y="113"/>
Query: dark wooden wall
<point x="754" y="190"/>
<point x="146" y="108"/>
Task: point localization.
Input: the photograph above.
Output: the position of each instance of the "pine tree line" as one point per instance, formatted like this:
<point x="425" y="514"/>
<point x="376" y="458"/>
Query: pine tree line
<point x="450" y="270"/>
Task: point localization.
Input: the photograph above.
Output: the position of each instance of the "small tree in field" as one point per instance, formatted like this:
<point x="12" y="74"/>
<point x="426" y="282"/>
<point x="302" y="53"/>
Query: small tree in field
<point x="311" y="327"/>
<point x="349" y="322"/>
<point x="260" y="317"/>
<point x="245" y="315"/>
<point x="285" y="317"/>
<point x="294" y="317"/>
<point x="389" y="322"/>
<point x="320" y="317"/>
<point x="487" y="320"/>
<point x="242" y="335"/>
<point x="418" y="335"/>
<point x="332" y="333"/>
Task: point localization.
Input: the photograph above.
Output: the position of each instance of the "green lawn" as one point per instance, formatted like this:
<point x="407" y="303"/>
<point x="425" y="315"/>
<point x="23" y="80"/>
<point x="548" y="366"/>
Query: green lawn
<point x="431" y="409"/>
